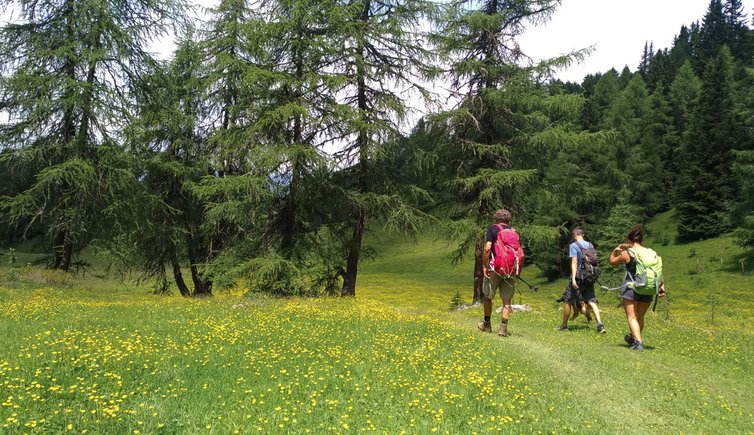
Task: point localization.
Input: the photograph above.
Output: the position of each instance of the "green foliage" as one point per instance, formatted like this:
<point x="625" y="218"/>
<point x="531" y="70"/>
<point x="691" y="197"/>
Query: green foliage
<point x="743" y="211"/>
<point x="705" y="188"/>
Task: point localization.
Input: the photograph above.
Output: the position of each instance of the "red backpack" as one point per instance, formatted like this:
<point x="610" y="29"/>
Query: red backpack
<point x="507" y="254"/>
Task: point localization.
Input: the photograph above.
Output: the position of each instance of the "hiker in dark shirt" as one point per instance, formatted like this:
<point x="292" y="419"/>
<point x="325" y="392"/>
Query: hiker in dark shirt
<point x="493" y="280"/>
<point x="634" y="304"/>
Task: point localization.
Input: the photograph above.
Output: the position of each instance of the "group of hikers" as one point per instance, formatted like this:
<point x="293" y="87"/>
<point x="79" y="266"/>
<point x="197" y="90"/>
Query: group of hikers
<point x="503" y="258"/>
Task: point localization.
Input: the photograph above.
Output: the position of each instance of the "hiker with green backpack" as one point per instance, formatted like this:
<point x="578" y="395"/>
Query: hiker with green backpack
<point x="644" y="281"/>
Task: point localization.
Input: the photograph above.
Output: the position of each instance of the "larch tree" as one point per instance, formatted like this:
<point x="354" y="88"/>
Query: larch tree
<point x="67" y="71"/>
<point x="481" y="137"/>
<point x="383" y="59"/>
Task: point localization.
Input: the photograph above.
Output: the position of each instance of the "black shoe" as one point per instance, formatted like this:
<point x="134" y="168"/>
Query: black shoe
<point x="562" y="328"/>
<point x="628" y="338"/>
<point x="600" y="328"/>
<point x="638" y="345"/>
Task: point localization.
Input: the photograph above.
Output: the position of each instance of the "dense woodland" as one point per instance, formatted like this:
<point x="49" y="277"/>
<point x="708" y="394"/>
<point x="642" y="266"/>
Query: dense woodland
<point x="274" y="138"/>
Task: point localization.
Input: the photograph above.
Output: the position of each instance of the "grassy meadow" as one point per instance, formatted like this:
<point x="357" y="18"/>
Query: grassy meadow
<point x="83" y="355"/>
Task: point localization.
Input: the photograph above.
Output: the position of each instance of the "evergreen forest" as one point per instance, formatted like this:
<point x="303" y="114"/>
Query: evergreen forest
<point x="280" y="134"/>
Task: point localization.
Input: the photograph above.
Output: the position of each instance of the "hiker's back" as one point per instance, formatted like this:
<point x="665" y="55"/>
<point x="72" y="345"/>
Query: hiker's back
<point x="648" y="273"/>
<point x="508" y="255"/>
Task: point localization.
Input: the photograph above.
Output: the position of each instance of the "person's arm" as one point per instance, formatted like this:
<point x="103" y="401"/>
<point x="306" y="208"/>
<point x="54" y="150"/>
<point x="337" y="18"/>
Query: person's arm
<point x="486" y="259"/>
<point x="574" y="267"/>
<point x="619" y="255"/>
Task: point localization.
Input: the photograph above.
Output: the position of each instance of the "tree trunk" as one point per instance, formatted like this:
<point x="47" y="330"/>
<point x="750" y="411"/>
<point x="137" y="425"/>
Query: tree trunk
<point x="65" y="265"/>
<point x="354" y="252"/>
<point x="202" y="287"/>
<point x="179" y="281"/>
<point x="478" y="272"/>
<point x="362" y="142"/>
<point x="58" y="249"/>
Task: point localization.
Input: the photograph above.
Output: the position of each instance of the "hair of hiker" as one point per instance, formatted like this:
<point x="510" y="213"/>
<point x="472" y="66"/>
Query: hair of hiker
<point x="636" y="234"/>
<point x="503" y="216"/>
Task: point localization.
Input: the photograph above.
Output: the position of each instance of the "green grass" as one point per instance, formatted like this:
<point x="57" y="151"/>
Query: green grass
<point x="103" y="357"/>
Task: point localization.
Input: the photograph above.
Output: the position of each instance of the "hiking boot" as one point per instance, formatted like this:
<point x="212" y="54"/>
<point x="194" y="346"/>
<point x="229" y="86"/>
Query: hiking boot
<point x="503" y="330"/>
<point x="638" y="345"/>
<point x="485" y="326"/>
<point x="562" y="328"/>
<point x="628" y="338"/>
<point x="600" y="328"/>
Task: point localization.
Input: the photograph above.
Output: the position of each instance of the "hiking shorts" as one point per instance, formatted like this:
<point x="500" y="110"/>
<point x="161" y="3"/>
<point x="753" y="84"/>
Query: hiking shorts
<point x="495" y="281"/>
<point x="570" y="295"/>
<point x="629" y="295"/>
<point x="585" y="293"/>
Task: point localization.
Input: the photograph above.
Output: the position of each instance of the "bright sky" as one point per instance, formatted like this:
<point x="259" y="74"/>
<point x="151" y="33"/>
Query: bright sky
<point x="617" y="29"/>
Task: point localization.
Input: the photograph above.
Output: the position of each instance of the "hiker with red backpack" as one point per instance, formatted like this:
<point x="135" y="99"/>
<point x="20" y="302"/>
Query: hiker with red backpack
<point x="503" y="258"/>
<point x="584" y="274"/>
<point x="644" y="281"/>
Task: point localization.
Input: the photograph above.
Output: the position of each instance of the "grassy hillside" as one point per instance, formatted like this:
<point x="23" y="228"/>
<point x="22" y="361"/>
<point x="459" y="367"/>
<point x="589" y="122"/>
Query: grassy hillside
<point x="83" y="355"/>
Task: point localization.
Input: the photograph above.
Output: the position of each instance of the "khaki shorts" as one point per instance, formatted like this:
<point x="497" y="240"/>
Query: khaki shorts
<point x="507" y="286"/>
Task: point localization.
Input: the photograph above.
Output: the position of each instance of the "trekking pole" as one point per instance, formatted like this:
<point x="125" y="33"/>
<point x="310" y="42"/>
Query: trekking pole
<point x="536" y="289"/>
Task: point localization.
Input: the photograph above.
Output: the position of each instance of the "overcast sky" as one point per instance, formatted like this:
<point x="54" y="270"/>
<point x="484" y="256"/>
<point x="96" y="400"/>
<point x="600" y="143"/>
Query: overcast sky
<point x="617" y="29"/>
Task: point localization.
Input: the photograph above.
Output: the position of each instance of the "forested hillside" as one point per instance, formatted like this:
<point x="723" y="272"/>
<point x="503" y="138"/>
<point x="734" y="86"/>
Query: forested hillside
<point x="273" y="140"/>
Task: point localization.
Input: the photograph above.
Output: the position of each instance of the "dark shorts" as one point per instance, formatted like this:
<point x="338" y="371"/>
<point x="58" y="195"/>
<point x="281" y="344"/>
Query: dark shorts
<point x="629" y="295"/>
<point x="585" y="293"/>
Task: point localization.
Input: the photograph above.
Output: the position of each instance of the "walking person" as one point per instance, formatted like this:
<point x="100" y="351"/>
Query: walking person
<point x="580" y="287"/>
<point x="501" y="263"/>
<point x="636" y="300"/>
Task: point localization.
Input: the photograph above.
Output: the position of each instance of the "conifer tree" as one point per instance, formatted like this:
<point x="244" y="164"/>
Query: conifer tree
<point x="597" y="104"/>
<point x="705" y="189"/>
<point x="737" y="37"/>
<point x="382" y="42"/>
<point x="67" y="70"/>
<point x="173" y="153"/>
<point x="484" y="142"/>
<point x="635" y="170"/>
<point x="660" y="141"/>
<point x="681" y="50"/>
<point x="646" y="59"/>
<point x="713" y="34"/>
<point x="742" y="215"/>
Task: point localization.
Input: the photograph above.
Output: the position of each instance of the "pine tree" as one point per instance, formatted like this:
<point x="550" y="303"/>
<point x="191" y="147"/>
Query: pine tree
<point x="705" y="189"/>
<point x="646" y="59"/>
<point x="742" y="215"/>
<point x="486" y="150"/>
<point x="634" y="169"/>
<point x="681" y="50"/>
<point x="713" y="34"/>
<point x="68" y="68"/>
<point x="597" y="104"/>
<point x="382" y="42"/>
<point x="737" y="30"/>
<point x="657" y="148"/>
<point x="660" y="72"/>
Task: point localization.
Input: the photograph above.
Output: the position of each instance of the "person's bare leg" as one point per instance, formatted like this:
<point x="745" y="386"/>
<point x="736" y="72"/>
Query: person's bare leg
<point x="487" y="303"/>
<point x="596" y="311"/>
<point x="566" y="314"/>
<point x="641" y="310"/>
<point x="633" y="321"/>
